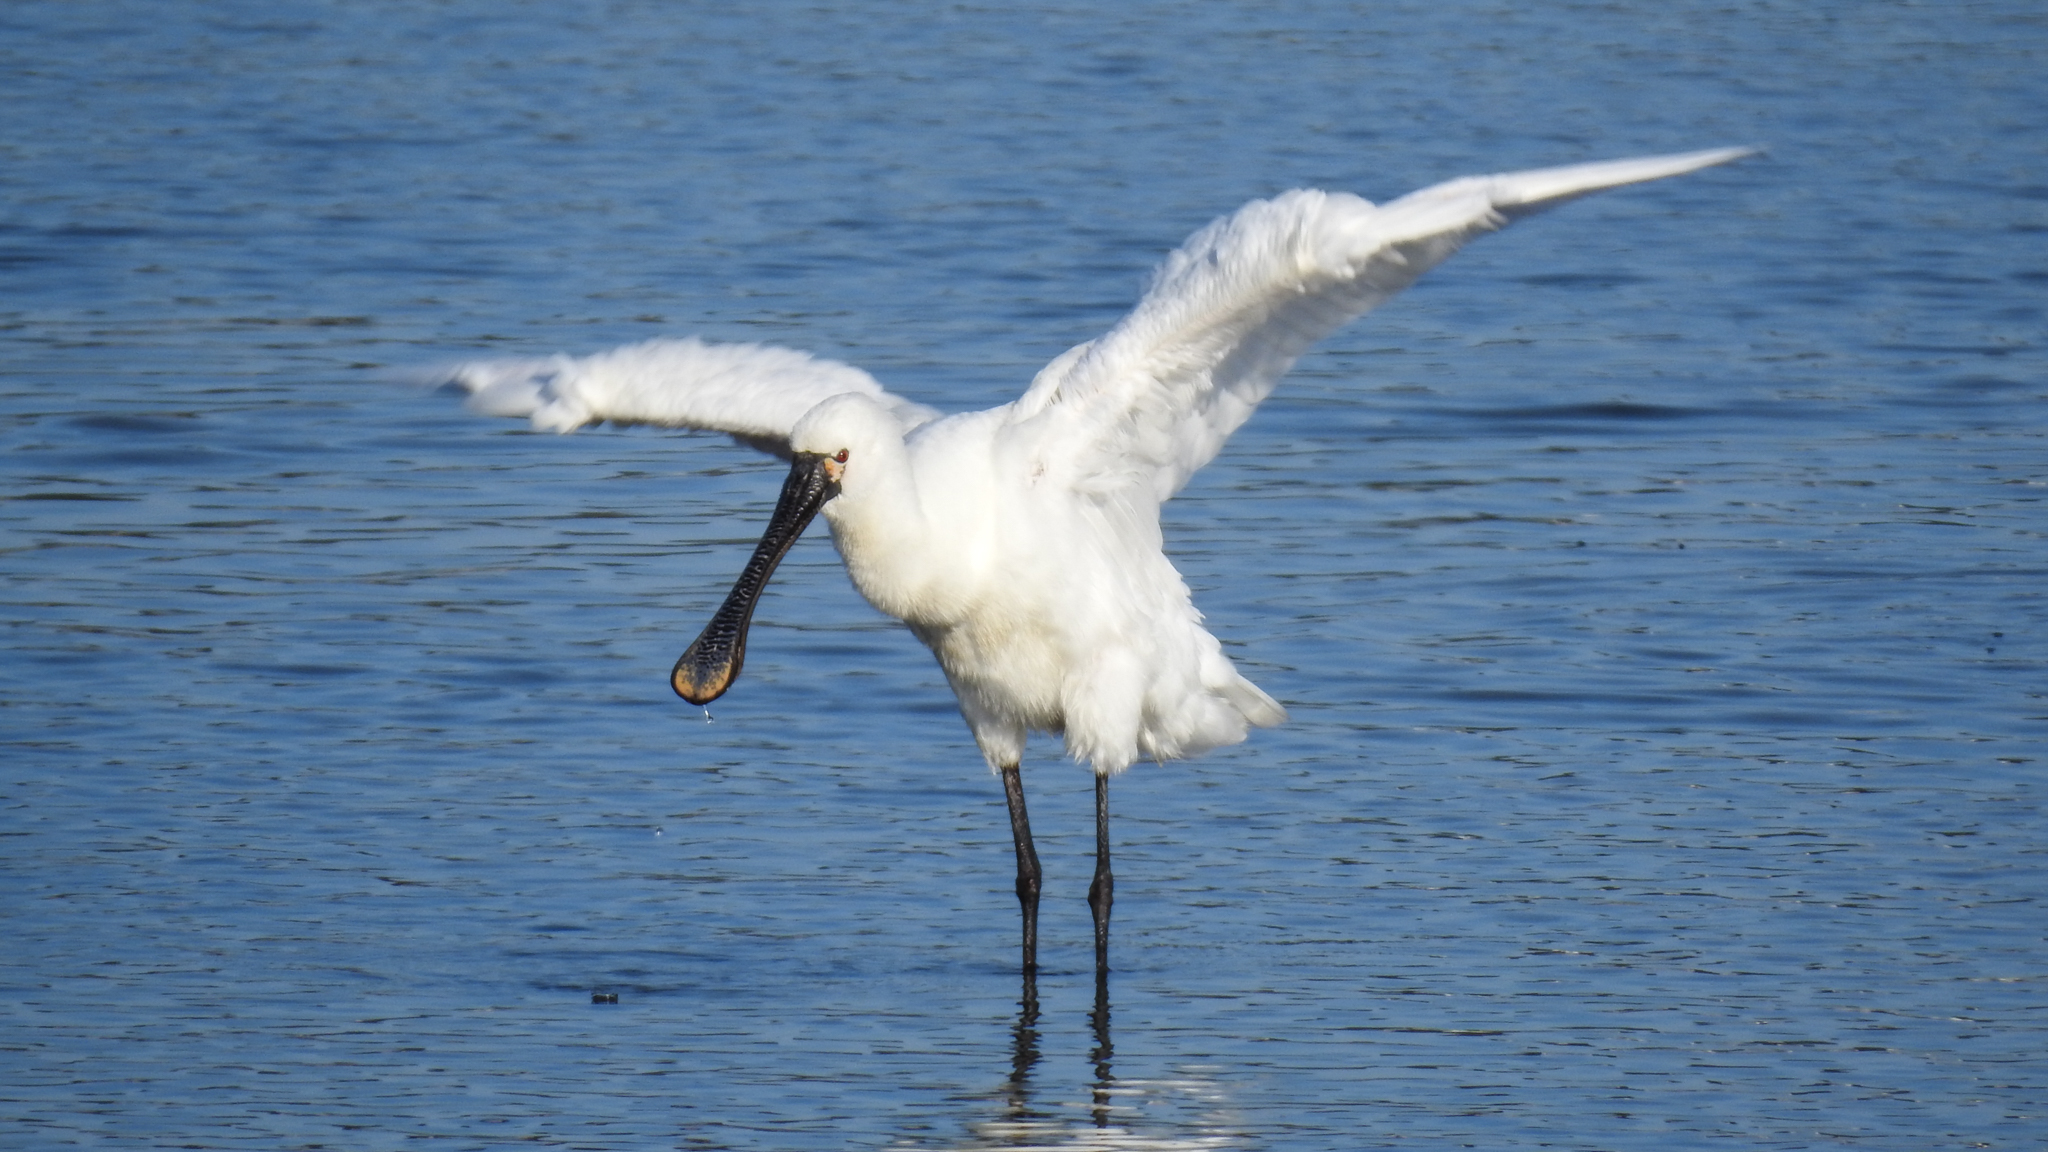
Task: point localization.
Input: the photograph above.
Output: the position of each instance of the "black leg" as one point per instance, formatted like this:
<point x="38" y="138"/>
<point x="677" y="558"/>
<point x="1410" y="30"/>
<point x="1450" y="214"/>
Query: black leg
<point x="1102" y="893"/>
<point x="1028" y="881"/>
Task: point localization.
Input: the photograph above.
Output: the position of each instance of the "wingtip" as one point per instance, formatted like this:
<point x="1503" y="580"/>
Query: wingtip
<point x="1520" y="193"/>
<point x="1708" y="157"/>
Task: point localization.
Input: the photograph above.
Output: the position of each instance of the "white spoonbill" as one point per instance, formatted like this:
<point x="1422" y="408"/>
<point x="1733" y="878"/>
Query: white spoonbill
<point x="1022" y="544"/>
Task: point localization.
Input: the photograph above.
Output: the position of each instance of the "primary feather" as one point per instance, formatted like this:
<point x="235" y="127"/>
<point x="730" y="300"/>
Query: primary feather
<point x="755" y="392"/>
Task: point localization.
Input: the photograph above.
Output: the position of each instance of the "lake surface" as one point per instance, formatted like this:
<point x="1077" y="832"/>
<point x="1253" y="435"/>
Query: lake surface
<point x="1657" y="589"/>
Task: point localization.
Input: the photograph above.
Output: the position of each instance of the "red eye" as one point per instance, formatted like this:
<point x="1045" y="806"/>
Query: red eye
<point x="841" y="457"/>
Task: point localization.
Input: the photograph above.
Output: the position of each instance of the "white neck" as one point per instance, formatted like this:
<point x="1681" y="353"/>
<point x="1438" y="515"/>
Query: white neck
<point x="880" y="528"/>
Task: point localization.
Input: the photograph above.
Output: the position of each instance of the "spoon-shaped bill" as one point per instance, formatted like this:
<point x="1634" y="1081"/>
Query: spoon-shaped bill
<point x="712" y="662"/>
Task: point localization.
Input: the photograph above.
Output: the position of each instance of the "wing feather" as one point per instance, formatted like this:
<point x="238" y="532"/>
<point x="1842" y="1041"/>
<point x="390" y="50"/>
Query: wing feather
<point x="755" y="392"/>
<point x="1229" y="312"/>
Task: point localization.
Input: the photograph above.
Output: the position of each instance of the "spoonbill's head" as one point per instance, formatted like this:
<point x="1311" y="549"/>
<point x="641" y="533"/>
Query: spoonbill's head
<point x="856" y="433"/>
<point x="830" y="446"/>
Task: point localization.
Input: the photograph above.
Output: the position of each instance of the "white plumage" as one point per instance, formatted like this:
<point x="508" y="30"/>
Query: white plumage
<point x="752" y="391"/>
<point x="1022" y="544"/>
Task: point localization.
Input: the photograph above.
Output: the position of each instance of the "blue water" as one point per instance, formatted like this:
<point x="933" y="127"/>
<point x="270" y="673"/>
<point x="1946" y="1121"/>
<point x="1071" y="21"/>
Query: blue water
<point x="1657" y="589"/>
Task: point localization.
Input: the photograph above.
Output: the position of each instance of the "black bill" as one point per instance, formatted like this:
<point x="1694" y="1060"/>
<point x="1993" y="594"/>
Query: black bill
<point x="712" y="662"/>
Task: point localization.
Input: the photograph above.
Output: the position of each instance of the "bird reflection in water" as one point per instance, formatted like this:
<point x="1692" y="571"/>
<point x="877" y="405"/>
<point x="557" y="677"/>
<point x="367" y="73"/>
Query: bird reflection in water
<point x="1179" y="1115"/>
<point x="1024" y="1053"/>
<point x="1100" y="1055"/>
<point x="1020" y="1112"/>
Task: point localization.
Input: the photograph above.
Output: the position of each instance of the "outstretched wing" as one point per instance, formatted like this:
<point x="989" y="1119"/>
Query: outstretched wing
<point x="755" y="392"/>
<point x="1226" y="316"/>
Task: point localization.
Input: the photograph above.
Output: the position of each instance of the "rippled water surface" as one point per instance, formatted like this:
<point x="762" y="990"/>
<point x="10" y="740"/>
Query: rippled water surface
<point x="1657" y="589"/>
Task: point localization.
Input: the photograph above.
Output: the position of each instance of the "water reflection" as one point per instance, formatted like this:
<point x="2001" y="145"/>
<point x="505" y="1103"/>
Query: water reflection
<point x="1023" y="1052"/>
<point x="1098" y="1026"/>
<point x="1145" y="1115"/>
